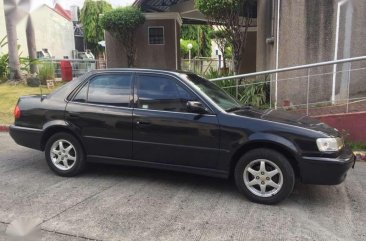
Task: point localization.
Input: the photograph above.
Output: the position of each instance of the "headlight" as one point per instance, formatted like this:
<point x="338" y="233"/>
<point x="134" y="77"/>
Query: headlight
<point x="330" y="144"/>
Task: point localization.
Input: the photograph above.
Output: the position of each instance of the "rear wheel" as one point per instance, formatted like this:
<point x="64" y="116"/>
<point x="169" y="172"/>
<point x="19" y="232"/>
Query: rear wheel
<point x="65" y="155"/>
<point x="264" y="176"/>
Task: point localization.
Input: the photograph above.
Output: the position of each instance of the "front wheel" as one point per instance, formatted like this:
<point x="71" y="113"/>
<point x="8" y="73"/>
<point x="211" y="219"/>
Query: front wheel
<point x="264" y="176"/>
<point x="64" y="155"/>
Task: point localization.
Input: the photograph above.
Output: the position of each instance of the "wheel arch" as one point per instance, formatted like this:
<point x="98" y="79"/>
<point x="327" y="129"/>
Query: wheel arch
<point x="281" y="148"/>
<point x="50" y="130"/>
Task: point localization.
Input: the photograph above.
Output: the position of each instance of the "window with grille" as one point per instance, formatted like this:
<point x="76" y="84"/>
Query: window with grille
<point x="156" y="35"/>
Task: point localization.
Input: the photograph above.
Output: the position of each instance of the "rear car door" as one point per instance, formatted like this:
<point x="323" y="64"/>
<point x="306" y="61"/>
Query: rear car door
<point x="101" y="111"/>
<point x="164" y="131"/>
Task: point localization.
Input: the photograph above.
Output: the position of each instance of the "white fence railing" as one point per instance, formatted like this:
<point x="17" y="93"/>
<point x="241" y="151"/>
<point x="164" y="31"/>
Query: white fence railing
<point x="333" y="86"/>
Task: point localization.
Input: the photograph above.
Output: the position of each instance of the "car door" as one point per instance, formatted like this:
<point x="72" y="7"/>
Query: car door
<point x="101" y="111"/>
<point x="165" y="132"/>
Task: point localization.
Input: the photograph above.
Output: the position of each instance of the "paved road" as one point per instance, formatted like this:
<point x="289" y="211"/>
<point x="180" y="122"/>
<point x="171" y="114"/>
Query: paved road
<point x="124" y="203"/>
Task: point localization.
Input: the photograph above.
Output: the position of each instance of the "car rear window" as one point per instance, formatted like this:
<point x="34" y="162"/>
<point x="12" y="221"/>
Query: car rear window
<point x="114" y="89"/>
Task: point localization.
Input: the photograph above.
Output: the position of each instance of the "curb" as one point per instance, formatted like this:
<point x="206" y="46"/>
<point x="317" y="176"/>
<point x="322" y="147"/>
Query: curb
<point x="4" y="128"/>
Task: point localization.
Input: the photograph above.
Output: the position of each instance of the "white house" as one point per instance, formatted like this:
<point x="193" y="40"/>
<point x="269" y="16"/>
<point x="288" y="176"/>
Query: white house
<point x="53" y="31"/>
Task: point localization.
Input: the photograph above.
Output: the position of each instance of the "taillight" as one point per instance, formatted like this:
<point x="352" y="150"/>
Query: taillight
<point x="17" y="112"/>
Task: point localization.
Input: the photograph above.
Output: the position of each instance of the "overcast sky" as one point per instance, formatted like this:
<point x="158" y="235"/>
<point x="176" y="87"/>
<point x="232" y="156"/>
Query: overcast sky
<point x="67" y="3"/>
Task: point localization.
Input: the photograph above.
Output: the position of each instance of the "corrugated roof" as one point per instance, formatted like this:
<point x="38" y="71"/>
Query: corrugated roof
<point x="156" y="5"/>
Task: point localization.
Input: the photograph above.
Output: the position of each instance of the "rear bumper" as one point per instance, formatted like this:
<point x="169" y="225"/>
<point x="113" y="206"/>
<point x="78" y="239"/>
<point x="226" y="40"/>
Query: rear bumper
<point x="27" y="137"/>
<point x="326" y="171"/>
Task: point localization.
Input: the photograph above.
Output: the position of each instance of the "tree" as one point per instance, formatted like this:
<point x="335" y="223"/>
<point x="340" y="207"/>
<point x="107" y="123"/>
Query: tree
<point x="234" y="18"/>
<point x="122" y="23"/>
<point x="11" y="17"/>
<point x="31" y="43"/>
<point x="220" y="39"/>
<point x="90" y="17"/>
<point x="200" y="34"/>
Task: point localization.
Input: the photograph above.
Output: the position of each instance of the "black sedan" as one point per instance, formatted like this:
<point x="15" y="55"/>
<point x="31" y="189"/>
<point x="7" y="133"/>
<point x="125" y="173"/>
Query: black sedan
<point x="179" y="121"/>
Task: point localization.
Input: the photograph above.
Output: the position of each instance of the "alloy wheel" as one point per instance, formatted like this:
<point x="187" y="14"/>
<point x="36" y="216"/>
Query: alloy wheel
<point x="263" y="178"/>
<point x="63" y="155"/>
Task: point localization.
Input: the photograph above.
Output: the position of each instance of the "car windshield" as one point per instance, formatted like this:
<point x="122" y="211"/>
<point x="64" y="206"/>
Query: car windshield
<point x="215" y="93"/>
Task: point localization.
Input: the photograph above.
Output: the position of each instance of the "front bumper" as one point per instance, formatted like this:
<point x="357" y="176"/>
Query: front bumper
<point x="27" y="137"/>
<point x="326" y="171"/>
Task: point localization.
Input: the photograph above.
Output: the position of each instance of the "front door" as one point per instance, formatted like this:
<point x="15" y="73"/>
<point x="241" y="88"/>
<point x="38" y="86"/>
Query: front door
<point x="165" y="132"/>
<point x="102" y="113"/>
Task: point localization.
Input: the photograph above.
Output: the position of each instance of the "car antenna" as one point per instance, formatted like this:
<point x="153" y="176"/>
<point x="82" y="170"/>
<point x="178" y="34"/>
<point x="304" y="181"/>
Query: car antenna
<point x="40" y="88"/>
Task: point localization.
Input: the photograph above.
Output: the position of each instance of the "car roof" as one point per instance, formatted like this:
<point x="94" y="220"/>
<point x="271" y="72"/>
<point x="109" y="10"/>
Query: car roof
<point x="137" y="70"/>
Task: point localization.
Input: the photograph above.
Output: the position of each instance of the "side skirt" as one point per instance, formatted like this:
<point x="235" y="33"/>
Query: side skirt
<point x="164" y="166"/>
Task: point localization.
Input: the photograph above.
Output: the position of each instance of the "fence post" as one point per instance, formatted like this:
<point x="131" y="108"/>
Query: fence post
<point x="348" y="84"/>
<point x="307" y="93"/>
<point x="270" y="91"/>
<point x="237" y="88"/>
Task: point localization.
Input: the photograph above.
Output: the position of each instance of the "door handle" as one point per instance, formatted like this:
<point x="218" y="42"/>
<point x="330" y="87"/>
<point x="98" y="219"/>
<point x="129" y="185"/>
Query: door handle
<point x="142" y="123"/>
<point x="73" y="114"/>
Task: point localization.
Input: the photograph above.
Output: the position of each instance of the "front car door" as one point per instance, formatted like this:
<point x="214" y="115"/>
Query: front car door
<point x="101" y="111"/>
<point x="165" y="132"/>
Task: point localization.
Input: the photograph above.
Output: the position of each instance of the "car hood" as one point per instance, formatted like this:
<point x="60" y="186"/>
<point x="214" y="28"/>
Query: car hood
<point x="288" y="118"/>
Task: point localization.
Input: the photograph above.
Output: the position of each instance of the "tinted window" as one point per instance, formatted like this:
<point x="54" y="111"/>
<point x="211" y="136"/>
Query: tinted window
<point x="162" y="93"/>
<point x="82" y="95"/>
<point x="107" y="90"/>
<point x="215" y="93"/>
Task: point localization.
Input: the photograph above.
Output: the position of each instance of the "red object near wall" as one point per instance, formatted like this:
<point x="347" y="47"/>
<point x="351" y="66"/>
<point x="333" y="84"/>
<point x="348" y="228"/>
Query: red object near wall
<point x="66" y="70"/>
<point x="352" y="123"/>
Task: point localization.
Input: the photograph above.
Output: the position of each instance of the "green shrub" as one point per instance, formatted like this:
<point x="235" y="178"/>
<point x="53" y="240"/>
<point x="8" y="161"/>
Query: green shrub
<point x="4" y="64"/>
<point x="122" y="23"/>
<point x="255" y="93"/>
<point x="33" y="82"/>
<point x="184" y="51"/>
<point x="46" y="72"/>
<point x="4" y="61"/>
<point x="227" y="85"/>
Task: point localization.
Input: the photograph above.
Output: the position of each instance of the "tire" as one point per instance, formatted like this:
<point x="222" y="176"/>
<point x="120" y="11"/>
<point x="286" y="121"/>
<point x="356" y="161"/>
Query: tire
<point x="68" y="159"/>
<point x="264" y="185"/>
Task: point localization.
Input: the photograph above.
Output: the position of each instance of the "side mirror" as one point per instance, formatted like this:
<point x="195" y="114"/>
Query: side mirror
<point x="196" y="107"/>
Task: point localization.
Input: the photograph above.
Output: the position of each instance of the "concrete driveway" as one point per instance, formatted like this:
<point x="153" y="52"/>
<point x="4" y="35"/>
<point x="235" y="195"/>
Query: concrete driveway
<point x="124" y="203"/>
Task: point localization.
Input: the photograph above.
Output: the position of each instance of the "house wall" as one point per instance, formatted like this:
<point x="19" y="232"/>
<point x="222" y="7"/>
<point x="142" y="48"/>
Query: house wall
<point x="51" y="30"/>
<point x="56" y="33"/>
<point x="307" y="33"/>
<point x="164" y="56"/>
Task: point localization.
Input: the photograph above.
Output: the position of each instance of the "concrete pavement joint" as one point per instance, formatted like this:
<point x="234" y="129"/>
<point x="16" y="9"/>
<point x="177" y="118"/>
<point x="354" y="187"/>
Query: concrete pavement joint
<point x="69" y="235"/>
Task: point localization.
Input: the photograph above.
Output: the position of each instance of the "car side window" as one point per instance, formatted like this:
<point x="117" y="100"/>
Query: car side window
<point x="162" y="93"/>
<point x="81" y="96"/>
<point x="107" y="90"/>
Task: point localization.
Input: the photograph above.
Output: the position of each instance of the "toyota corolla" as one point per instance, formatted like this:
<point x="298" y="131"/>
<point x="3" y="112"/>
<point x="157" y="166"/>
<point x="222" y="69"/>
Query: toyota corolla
<point x="182" y="122"/>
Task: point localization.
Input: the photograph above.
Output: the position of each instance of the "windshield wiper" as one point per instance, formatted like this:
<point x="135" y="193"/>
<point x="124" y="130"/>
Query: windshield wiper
<point x="244" y="107"/>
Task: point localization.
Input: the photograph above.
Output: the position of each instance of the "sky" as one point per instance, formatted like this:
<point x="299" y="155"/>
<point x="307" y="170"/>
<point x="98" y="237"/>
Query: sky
<point x="67" y="3"/>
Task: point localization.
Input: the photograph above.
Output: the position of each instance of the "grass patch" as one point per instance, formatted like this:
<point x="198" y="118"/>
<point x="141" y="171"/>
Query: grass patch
<point x="9" y="95"/>
<point x="357" y="146"/>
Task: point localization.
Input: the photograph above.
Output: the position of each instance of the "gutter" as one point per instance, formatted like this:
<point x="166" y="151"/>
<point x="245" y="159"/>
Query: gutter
<point x="277" y="51"/>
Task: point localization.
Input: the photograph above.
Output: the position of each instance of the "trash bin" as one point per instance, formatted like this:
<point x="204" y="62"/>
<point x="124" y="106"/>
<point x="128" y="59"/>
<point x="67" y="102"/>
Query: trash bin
<point x="66" y="70"/>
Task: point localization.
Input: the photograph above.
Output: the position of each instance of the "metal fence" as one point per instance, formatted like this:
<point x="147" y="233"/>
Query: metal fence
<point x="204" y="66"/>
<point x="79" y="66"/>
<point x="313" y="89"/>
